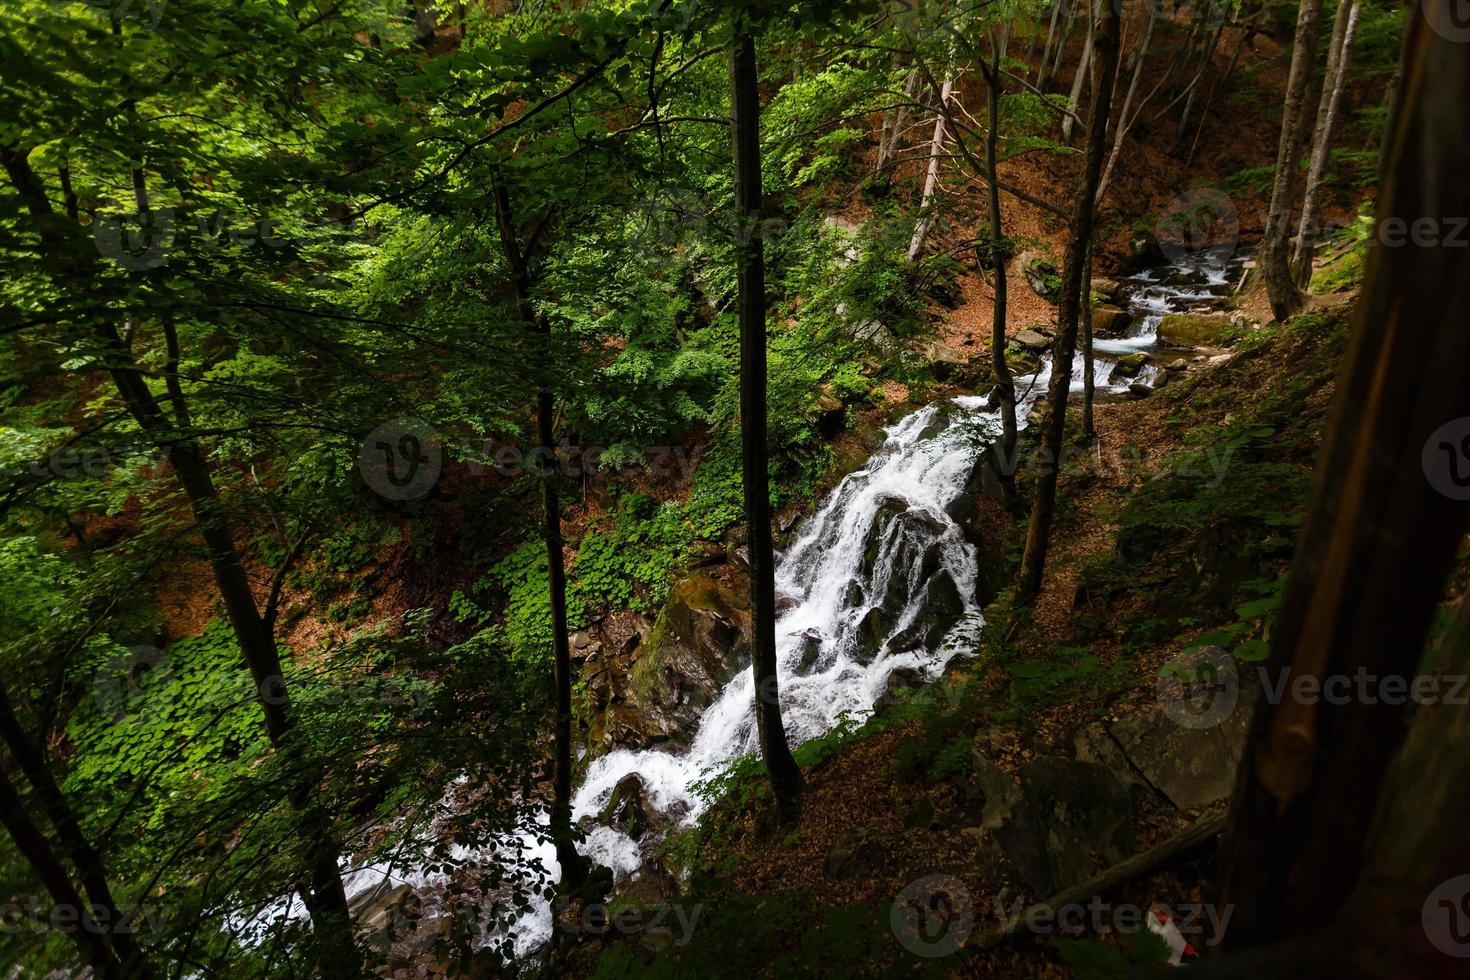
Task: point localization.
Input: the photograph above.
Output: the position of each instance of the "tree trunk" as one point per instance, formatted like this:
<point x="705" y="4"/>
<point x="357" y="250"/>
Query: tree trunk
<point x="1046" y="48"/>
<point x="1286" y="299"/>
<point x="74" y="842"/>
<point x="1000" y="254"/>
<point x="574" y="867"/>
<point x="1043" y="506"/>
<point x="781" y="767"/>
<point x="1074" y="100"/>
<point x="87" y="933"/>
<point x="1338" y="54"/>
<point x="1125" y="122"/>
<point x="1089" y="431"/>
<point x="893" y="132"/>
<point x="1387" y="513"/>
<point x="931" y="178"/>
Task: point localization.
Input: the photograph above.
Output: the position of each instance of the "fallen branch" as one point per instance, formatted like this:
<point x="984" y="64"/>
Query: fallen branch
<point x="1136" y="866"/>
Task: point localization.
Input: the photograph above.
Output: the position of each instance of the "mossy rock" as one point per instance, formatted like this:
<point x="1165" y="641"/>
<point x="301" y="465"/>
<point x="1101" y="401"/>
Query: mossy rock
<point x="1197" y="330"/>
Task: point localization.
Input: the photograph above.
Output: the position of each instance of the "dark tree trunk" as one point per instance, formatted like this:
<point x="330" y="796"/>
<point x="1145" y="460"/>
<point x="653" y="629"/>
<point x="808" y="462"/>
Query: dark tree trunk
<point x="1281" y="286"/>
<point x="69" y="834"/>
<point x="574" y="867"/>
<point x="785" y="775"/>
<point x="1043" y="504"/>
<point x="87" y="933"/>
<point x="1089" y="431"/>
<point x="1387" y="514"/>
<point x="1000" y="254"/>
<point x="1338" y="55"/>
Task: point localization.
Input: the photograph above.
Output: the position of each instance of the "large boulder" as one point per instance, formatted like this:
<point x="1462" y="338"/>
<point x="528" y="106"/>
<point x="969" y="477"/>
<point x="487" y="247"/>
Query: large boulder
<point x="1110" y="321"/>
<point x="1068" y="820"/>
<point x="657" y="687"/>
<point x="1107" y="290"/>
<point x="1032" y="339"/>
<point x="1192" y="767"/>
<point x="1197" y="330"/>
<point x="946" y="362"/>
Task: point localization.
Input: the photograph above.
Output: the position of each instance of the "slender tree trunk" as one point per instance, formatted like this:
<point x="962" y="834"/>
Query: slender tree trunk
<point x="1345" y="25"/>
<point x="1043" y="505"/>
<point x="1000" y="254"/>
<point x="88" y="934"/>
<point x="1074" y="100"/>
<point x="781" y="767"/>
<point x="325" y="898"/>
<point x="1387" y="515"/>
<point x="1046" y="49"/>
<point x="1285" y="297"/>
<point x="1089" y="431"/>
<point x="1140" y="55"/>
<point x="931" y="177"/>
<point x="69" y="834"/>
<point x="574" y="867"/>
<point x="893" y="133"/>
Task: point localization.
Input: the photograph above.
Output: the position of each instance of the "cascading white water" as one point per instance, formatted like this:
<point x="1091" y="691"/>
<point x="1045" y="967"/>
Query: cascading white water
<point x="884" y="538"/>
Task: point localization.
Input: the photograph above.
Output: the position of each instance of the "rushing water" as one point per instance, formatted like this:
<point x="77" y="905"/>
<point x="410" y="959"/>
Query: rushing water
<point x="832" y="574"/>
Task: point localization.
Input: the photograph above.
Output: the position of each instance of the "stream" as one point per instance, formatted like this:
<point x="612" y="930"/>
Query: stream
<point x="843" y="561"/>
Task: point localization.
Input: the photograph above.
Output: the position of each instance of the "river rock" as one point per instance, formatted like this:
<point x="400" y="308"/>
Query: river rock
<point x="1110" y="321"/>
<point x="1129" y="365"/>
<point x="1069" y="820"/>
<point x="1032" y="339"/>
<point x="1196" y="329"/>
<point x="656" y="690"/>
<point x="946" y="362"/>
<point x="1107" y="290"/>
<point x="1178" y="364"/>
<point x="1139" y="390"/>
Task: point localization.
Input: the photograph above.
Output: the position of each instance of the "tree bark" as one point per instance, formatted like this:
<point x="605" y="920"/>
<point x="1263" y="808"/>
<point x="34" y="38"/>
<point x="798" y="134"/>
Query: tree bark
<point x="1000" y="254"/>
<point x="87" y="933"/>
<point x="893" y="130"/>
<point x="1338" y="55"/>
<point x="74" y="842"/>
<point x="1089" y="431"/>
<point x="1043" y="505"/>
<point x="1074" y="100"/>
<point x="1281" y="286"/>
<point x="574" y="867"/>
<point x="931" y="177"/>
<point x="1125" y="121"/>
<point x="781" y="767"/>
<point x="1384" y="523"/>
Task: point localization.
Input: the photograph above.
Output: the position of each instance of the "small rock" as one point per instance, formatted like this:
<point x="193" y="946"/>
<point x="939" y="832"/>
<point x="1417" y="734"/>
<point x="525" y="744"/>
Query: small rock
<point x="1178" y="364"/>
<point x="1110" y="321"/>
<point x="1139" y="390"/>
<point x="580" y="640"/>
<point x="1032" y="339"/>
<point x="1129" y="365"/>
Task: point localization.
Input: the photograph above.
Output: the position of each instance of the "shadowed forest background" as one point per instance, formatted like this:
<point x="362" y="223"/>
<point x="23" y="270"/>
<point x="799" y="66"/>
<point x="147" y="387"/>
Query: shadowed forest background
<point x="725" y="489"/>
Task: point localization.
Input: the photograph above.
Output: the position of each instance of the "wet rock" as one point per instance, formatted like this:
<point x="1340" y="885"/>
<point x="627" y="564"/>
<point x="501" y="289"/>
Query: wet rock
<point x="810" y="644"/>
<point x="1144" y="252"/>
<point x="1022" y="362"/>
<point x="1129" y="365"/>
<point x="1107" y="290"/>
<point x="1032" y="339"/>
<point x="656" y="689"/>
<point x="628" y="809"/>
<point x="946" y="362"/>
<point x="1197" y="329"/>
<point x="1110" y="321"/>
<point x="1069" y="820"/>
